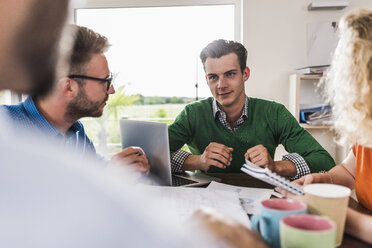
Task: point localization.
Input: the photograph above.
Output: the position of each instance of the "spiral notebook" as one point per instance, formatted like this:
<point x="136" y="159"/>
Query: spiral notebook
<point x="270" y="177"/>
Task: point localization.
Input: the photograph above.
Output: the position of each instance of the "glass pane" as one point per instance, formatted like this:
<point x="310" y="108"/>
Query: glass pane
<point x="154" y="54"/>
<point x="2" y="97"/>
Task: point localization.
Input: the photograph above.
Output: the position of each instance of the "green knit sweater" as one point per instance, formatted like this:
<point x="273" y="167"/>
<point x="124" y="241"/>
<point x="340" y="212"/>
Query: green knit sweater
<point x="268" y="123"/>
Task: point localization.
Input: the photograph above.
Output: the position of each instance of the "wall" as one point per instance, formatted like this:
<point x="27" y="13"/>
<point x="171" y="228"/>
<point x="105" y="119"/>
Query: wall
<point x="274" y="32"/>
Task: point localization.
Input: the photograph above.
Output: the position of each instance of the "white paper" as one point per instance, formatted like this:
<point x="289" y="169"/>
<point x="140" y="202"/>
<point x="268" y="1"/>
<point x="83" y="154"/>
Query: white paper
<point x="250" y="198"/>
<point x="185" y="201"/>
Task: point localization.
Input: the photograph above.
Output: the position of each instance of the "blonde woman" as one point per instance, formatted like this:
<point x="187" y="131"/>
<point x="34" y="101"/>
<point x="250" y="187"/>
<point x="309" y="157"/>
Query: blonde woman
<point x="349" y="88"/>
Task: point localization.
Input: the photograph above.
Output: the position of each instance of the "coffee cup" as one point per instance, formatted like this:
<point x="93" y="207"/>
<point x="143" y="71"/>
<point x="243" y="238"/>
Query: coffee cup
<point x="307" y="231"/>
<point x="272" y="210"/>
<point x="329" y="200"/>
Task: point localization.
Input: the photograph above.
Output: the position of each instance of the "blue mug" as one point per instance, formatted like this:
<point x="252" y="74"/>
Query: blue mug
<point x="272" y="211"/>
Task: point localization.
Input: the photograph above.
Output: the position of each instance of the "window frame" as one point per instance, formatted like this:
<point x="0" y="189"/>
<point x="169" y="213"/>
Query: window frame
<point x="95" y="4"/>
<point x="99" y="4"/>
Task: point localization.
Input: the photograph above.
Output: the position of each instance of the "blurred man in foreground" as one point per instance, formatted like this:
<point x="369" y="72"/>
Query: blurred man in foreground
<point x="49" y="197"/>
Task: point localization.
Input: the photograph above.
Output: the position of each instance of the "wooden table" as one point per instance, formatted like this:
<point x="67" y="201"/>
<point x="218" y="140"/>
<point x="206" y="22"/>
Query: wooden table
<point x="242" y="179"/>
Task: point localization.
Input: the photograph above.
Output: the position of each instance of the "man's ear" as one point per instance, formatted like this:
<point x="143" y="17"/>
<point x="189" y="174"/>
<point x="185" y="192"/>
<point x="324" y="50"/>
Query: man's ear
<point x="246" y="73"/>
<point x="68" y="87"/>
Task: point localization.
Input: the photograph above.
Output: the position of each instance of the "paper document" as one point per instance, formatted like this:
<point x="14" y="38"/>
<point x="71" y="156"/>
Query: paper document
<point x="185" y="201"/>
<point x="250" y="198"/>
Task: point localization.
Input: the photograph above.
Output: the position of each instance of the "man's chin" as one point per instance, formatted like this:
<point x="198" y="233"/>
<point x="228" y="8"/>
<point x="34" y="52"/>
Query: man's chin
<point x="98" y="113"/>
<point x="224" y="102"/>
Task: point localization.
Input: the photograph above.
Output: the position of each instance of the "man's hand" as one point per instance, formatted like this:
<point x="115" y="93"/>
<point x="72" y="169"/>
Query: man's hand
<point x="260" y="156"/>
<point x="215" y="154"/>
<point x="134" y="157"/>
<point x="226" y="230"/>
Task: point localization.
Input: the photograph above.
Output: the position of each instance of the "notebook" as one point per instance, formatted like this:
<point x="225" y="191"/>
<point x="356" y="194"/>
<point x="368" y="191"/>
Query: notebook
<point x="270" y="177"/>
<point x="152" y="137"/>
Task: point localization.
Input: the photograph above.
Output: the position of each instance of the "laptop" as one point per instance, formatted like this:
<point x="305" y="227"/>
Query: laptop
<point x="152" y="137"/>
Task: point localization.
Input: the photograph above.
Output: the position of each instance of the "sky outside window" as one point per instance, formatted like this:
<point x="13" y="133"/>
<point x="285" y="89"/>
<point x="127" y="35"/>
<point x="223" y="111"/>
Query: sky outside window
<point x="155" y="50"/>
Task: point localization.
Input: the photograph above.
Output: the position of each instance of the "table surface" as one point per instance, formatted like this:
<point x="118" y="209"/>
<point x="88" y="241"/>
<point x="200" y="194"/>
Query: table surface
<point x="242" y="179"/>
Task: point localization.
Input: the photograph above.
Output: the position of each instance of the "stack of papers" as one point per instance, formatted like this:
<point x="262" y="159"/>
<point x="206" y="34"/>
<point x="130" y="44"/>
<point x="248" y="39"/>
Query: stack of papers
<point x="185" y="201"/>
<point x="250" y="198"/>
<point x="319" y="114"/>
<point x="313" y="69"/>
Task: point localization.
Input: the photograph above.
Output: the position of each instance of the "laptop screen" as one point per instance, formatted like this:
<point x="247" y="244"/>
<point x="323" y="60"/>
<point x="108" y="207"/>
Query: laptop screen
<point x="152" y="137"/>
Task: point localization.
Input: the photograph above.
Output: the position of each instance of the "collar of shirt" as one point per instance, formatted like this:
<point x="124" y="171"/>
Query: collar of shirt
<point x="38" y="118"/>
<point x="221" y="116"/>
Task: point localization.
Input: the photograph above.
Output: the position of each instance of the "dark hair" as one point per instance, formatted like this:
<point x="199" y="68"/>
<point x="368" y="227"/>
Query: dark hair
<point x="219" y="48"/>
<point x="87" y="42"/>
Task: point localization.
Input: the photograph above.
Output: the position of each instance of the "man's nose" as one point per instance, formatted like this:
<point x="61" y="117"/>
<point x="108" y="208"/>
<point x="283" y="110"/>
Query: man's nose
<point x="221" y="83"/>
<point x="111" y="89"/>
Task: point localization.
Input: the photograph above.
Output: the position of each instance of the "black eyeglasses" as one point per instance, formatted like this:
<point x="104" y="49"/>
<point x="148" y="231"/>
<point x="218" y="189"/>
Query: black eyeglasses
<point x="107" y="80"/>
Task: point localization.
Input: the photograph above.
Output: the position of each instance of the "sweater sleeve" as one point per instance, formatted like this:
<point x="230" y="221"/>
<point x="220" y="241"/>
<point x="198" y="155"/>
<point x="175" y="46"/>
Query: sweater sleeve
<point x="180" y="131"/>
<point x="296" y="139"/>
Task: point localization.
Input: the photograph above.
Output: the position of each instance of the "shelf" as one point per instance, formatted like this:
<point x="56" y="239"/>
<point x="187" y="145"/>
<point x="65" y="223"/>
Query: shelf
<point x="307" y="126"/>
<point x="303" y="89"/>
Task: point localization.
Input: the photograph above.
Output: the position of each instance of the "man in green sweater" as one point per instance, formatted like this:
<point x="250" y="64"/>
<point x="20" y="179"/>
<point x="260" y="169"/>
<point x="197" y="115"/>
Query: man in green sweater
<point x="224" y="130"/>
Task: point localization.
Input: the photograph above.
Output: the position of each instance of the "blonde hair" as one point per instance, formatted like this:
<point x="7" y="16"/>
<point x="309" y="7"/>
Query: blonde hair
<point x="348" y="84"/>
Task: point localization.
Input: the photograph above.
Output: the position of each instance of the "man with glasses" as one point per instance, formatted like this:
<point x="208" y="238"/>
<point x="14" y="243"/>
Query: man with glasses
<point x="82" y="93"/>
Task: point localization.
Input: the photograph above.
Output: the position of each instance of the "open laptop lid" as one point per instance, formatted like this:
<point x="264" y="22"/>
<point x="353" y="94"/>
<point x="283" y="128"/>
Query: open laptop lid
<point x="152" y="137"/>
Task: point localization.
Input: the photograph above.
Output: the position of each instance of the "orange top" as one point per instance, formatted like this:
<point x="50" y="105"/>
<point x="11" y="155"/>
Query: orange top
<point x="363" y="175"/>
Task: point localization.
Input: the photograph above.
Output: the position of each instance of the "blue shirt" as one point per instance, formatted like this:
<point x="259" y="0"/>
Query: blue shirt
<point x="26" y="115"/>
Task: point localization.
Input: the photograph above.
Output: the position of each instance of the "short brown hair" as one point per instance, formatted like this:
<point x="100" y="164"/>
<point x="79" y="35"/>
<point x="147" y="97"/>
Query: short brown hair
<point x="219" y="48"/>
<point x="87" y="42"/>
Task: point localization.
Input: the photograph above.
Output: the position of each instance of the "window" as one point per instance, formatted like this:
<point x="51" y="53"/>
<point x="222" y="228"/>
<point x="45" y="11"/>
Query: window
<point x="3" y="99"/>
<point x="7" y="97"/>
<point x="154" y="54"/>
